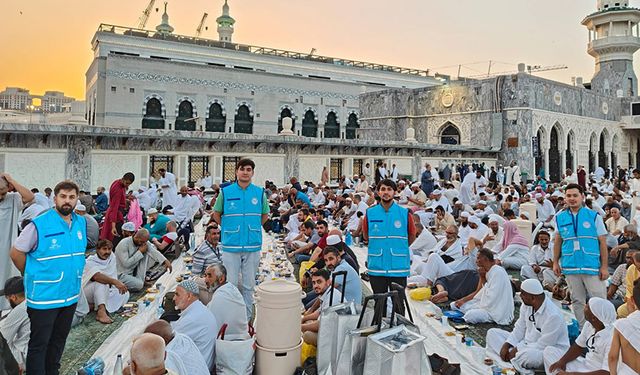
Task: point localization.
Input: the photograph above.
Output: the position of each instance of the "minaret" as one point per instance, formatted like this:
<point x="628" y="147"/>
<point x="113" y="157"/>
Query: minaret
<point x="225" y="24"/>
<point x="614" y="35"/>
<point x="164" y="28"/>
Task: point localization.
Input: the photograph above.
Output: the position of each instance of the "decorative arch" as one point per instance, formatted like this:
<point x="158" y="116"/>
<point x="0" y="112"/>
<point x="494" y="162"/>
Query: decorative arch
<point x="286" y="111"/>
<point x="287" y="106"/>
<point x="615" y="148"/>
<point x="310" y="123"/>
<point x="332" y="125"/>
<point x="190" y="100"/>
<point x="449" y="134"/>
<point x="220" y="103"/>
<point x="243" y="121"/>
<point x="216" y="116"/>
<point x="153" y="112"/>
<point x="246" y="104"/>
<point x="554" y="163"/>
<point x="315" y="112"/>
<point x="570" y="149"/>
<point x="185" y="113"/>
<point x="539" y="154"/>
<point x="352" y="125"/>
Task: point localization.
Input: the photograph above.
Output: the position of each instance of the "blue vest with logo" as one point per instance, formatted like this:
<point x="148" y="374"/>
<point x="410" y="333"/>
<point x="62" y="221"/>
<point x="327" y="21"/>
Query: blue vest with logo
<point x="581" y="250"/>
<point x="388" y="253"/>
<point x="242" y="218"/>
<point x="53" y="271"/>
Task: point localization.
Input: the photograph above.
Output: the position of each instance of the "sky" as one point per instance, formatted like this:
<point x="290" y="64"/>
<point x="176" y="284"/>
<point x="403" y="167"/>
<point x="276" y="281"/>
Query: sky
<point x="46" y="44"/>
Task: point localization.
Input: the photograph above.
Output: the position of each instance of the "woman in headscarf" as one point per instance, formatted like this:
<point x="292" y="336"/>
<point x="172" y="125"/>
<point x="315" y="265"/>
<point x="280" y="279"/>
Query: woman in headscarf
<point x="513" y="251"/>
<point x="624" y="355"/>
<point x="595" y="338"/>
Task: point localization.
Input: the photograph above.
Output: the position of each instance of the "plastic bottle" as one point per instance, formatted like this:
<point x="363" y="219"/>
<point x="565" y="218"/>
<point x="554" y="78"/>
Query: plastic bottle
<point x="159" y="311"/>
<point x="348" y="239"/>
<point x="117" y="368"/>
<point x="95" y="366"/>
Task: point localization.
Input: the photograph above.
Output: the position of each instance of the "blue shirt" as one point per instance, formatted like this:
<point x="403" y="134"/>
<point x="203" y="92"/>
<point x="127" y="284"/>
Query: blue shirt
<point x="353" y="289"/>
<point x="303" y="197"/>
<point x="102" y="203"/>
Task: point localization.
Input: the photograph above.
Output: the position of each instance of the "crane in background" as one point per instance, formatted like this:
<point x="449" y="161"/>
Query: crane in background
<point x="529" y="69"/>
<point x="199" y="29"/>
<point x="142" y="21"/>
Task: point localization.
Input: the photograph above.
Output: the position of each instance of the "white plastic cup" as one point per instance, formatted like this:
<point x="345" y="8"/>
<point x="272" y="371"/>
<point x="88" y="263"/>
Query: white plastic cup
<point x="445" y="321"/>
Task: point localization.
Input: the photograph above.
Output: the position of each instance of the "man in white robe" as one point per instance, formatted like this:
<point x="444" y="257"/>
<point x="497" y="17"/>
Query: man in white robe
<point x="100" y="283"/>
<point x="196" y="321"/>
<point x="425" y="241"/>
<point x="468" y="193"/>
<point x="169" y="188"/>
<point x="227" y="304"/>
<point x="539" y="327"/>
<point x="12" y="197"/>
<point x="493" y="301"/>
<point x="634" y="190"/>
<point x="15" y="327"/>
<point x="595" y="338"/>
<point x="184" y="350"/>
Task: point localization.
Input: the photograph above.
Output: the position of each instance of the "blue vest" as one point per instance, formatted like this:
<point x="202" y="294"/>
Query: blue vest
<point x="53" y="272"/>
<point x="388" y="253"/>
<point x="242" y="218"/>
<point x="583" y="258"/>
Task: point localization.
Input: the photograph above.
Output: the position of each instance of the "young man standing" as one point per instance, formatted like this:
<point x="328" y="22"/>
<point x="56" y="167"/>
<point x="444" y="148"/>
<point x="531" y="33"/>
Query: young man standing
<point x="390" y="230"/>
<point x="241" y="209"/>
<point x="50" y="254"/>
<point x="581" y="246"/>
<point x="114" y="217"/>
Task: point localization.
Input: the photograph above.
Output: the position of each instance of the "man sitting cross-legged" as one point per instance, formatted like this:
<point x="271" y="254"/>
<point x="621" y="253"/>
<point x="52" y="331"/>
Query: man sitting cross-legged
<point x="104" y="292"/>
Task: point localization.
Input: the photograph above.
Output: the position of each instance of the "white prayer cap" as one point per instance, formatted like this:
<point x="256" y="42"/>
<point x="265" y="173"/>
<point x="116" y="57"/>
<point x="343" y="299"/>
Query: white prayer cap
<point x="152" y="211"/>
<point x="474" y="220"/>
<point x="538" y="195"/>
<point x="437" y="192"/>
<point x="525" y="214"/>
<point x="464" y="214"/>
<point x="190" y="286"/>
<point x="557" y="193"/>
<point x="333" y="239"/>
<point x="495" y="218"/>
<point x="129" y="226"/>
<point x="532" y="286"/>
<point x="80" y="207"/>
<point x="482" y="202"/>
<point x="401" y="182"/>
<point x="415" y="184"/>
<point x="143" y="188"/>
<point x="603" y="310"/>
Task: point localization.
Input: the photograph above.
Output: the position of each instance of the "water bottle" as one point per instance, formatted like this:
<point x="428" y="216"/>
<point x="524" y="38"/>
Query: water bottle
<point x="117" y="368"/>
<point x="159" y="311"/>
<point x="192" y="241"/>
<point x="348" y="239"/>
<point x="95" y="366"/>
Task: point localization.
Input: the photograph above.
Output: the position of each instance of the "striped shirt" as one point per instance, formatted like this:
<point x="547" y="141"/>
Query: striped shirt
<point x="205" y="255"/>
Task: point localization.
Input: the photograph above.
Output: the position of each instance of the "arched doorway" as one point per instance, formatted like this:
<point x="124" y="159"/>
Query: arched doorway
<point x="153" y="118"/>
<point x="286" y="112"/>
<point x="450" y="135"/>
<point x="332" y="126"/>
<point x="602" y="154"/>
<point x="309" y="124"/>
<point x="352" y="126"/>
<point x="554" y="155"/>
<point x="614" y="156"/>
<point x="185" y="120"/>
<point x="216" y="120"/>
<point x="638" y="153"/>
<point x="569" y="152"/>
<point x="539" y="153"/>
<point x="243" y="122"/>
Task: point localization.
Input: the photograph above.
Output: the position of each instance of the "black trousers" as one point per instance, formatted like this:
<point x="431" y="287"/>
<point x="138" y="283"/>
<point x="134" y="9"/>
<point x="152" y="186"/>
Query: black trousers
<point x="382" y="284"/>
<point x="49" y="330"/>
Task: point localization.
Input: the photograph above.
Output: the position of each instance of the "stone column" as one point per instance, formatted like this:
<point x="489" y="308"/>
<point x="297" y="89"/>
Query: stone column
<point x="78" y="168"/>
<point x="416" y="165"/>
<point x="291" y="162"/>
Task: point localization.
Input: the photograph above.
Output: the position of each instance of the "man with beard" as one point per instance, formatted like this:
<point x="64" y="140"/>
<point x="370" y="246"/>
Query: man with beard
<point x="156" y="224"/>
<point x="226" y="304"/>
<point x="310" y="323"/>
<point x="100" y="283"/>
<point x="114" y="217"/>
<point x="335" y="263"/>
<point x="50" y="254"/>
<point x="388" y="226"/>
<point x="208" y="252"/>
<point x="14" y="328"/>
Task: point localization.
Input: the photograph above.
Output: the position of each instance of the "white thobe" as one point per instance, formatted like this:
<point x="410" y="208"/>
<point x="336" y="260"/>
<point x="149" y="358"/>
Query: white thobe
<point x="463" y="234"/>
<point x="598" y="344"/>
<point x="10" y="208"/>
<point x="497" y="239"/>
<point x="170" y="192"/>
<point x="404" y="195"/>
<point x="228" y="306"/>
<point x="544" y="210"/>
<point x="197" y="322"/>
<point x="188" y="352"/>
<point x="493" y="303"/>
<point x="634" y="189"/>
<point x="424" y="243"/>
<point x="444" y="202"/>
<point x="319" y="200"/>
<point x="185" y="208"/>
<point x="394" y="174"/>
<point x="450" y="194"/>
<point x="532" y="333"/>
<point x="206" y="182"/>
<point x="16" y="328"/>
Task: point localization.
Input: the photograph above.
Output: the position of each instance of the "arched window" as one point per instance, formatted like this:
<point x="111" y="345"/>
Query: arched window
<point x="352" y="125"/>
<point x="332" y="127"/>
<point x="216" y="120"/>
<point x="286" y="112"/>
<point x="185" y="120"/>
<point x="450" y="135"/>
<point x="243" y="122"/>
<point x="153" y="118"/>
<point x="309" y="125"/>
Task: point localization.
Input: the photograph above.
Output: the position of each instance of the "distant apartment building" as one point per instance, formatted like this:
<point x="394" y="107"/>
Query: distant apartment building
<point x="55" y="101"/>
<point x="15" y="98"/>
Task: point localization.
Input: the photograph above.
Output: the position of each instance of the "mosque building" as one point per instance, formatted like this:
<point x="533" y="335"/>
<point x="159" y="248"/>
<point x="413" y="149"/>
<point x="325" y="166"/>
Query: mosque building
<point x="155" y="99"/>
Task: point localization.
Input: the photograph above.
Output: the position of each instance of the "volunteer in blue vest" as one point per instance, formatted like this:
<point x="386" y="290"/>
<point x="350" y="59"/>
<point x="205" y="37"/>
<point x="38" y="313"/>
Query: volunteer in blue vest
<point x="50" y="254"/>
<point x="390" y="230"/>
<point x="241" y="208"/>
<point x="580" y="250"/>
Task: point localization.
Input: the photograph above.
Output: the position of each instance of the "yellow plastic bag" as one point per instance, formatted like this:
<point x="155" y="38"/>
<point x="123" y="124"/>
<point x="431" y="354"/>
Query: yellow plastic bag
<point x="420" y="294"/>
<point x="307" y="351"/>
<point x="304" y="267"/>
